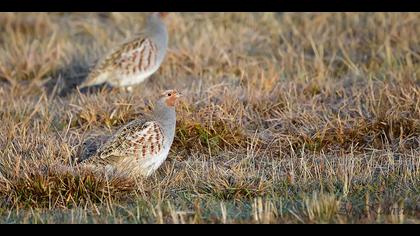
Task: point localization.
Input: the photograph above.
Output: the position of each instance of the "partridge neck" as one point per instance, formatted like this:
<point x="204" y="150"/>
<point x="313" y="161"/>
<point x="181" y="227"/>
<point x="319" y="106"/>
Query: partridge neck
<point x="164" y="114"/>
<point x="156" y="28"/>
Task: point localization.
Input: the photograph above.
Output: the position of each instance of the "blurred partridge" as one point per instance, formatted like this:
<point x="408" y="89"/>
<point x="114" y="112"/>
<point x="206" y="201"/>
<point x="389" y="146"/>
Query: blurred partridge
<point x="134" y="61"/>
<point x="141" y="146"/>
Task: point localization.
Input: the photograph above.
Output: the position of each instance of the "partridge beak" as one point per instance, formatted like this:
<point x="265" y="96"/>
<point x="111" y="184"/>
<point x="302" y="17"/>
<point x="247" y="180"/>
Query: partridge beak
<point x="179" y="95"/>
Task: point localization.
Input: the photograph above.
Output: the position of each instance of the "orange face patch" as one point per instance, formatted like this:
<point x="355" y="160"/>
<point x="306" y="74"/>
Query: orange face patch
<point x="163" y="14"/>
<point x="170" y="101"/>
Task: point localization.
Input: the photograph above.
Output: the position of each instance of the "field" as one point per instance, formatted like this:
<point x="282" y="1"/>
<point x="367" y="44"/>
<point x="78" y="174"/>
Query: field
<point x="287" y="118"/>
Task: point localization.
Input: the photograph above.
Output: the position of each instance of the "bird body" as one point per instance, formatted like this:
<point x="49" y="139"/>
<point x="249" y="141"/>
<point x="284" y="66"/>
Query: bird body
<point x="134" y="61"/>
<point x="142" y="145"/>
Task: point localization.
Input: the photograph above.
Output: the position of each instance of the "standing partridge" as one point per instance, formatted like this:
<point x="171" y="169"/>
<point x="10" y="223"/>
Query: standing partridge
<point x="141" y="146"/>
<point x="134" y="61"/>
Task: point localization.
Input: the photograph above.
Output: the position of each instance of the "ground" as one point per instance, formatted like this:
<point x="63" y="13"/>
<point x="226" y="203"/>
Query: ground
<point x="287" y="118"/>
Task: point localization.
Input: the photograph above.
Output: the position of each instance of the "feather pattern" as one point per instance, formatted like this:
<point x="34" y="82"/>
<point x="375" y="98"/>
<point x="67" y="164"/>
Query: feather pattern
<point x="137" y="140"/>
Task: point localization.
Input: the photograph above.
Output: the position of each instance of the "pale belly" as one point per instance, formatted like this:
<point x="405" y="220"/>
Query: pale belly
<point x="132" y="79"/>
<point x="150" y="165"/>
<point x="132" y="166"/>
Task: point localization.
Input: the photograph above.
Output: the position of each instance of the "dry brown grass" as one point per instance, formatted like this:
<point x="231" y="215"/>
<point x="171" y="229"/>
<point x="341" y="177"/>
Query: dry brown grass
<point x="288" y="118"/>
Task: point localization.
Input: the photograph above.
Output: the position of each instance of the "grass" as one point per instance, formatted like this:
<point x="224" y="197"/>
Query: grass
<point x="288" y="118"/>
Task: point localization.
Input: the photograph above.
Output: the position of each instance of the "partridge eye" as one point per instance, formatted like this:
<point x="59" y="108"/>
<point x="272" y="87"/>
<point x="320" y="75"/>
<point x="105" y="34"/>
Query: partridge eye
<point x="169" y="94"/>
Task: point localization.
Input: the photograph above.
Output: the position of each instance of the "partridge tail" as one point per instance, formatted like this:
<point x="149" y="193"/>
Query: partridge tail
<point x="94" y="79"/>
<point x="85" y="84"/>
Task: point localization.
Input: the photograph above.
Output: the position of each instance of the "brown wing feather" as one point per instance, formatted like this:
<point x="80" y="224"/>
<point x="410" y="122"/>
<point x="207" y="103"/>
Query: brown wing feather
<point x="138" y="139"/>
<point x="131" y="57"/>
<point x="136" y="56"/>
